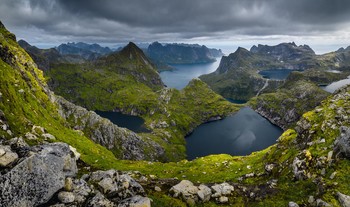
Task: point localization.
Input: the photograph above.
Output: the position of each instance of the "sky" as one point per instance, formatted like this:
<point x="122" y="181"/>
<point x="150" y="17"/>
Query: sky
<point x="226" y="24"/>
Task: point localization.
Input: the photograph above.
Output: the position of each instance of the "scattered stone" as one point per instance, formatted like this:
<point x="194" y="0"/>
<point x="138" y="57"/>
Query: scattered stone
<point x="48" y="136"/>
<point x="4" y="127"/>
<point x="322" y="141"/>
<point x="223" y="199"/>
<point x="321" y="203"/>
<point x="323" y="171"/>
<point x="332" y="175"/>
<point x="99" y="200"/>
<point x="18" y="142"/>
<point x="68" y="184"/>
<point x="38" y="130"/>
<point x="269" y="167"/>
<point x="222" y="189"/>
<point x="343" y="199"/>
<point x="299" y="167"/>
<point x="250" y="175"/>
<point x="204" y="193"/>
<point x="7" y="156"/>
<point x="81" y="190"/>
<point x="329" y="155"/>
<point x="30" y="136"/>
<point x="158" y="189"/>
<point x="65" y="197"/>
<point x="293" y="204"/>
<point x="20" y="91"/>
<point x="75" y="152"/>
<point x="311" y="200"/>
<point x="135" y="201"/>
<point x="108" y="186"/>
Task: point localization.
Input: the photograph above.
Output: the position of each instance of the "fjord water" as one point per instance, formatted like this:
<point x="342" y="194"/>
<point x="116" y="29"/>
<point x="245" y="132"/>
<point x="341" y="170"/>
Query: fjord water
<point x="134" y="123"/>
<point x="275" y="74"/>
<point x="184" y="73"/>
<point x="335" y="85"/>
<point x="240" y="134"/>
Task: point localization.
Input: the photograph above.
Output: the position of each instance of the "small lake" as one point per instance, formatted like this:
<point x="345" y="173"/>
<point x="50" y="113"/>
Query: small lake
<point x="335" y="85"/>
<point x="275" y="74"/>
<point x="184" y="73"/>
<point x="240" y="134"/>
<point x="134" y="123"/>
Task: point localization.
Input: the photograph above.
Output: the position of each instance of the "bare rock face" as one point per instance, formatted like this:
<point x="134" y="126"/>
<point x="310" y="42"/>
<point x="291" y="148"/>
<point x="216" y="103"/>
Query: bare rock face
<point x="342" y="143"/>
<point x="38" y="177"/>
<point x="109" y="135"/>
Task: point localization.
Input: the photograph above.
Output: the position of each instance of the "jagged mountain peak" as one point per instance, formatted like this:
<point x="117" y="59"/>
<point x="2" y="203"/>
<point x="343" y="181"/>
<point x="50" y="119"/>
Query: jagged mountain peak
<point x="281" y="48"/>
<point x="131" y="49"/>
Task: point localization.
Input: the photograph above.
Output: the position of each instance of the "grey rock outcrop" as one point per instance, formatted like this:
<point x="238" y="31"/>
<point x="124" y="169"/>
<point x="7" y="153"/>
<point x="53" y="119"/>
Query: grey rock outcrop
<point x="342" y="143"/>
<point x="343" y="199"/>
<point x="38" y="177"/>
<point x="102" y="131"/>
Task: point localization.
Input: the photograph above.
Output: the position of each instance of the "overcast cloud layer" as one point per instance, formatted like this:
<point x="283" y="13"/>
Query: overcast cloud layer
<point x="322" y="22"/>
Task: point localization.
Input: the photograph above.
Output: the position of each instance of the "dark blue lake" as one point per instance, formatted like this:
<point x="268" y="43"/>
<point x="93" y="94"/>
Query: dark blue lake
<point x="275" y="74"/>
<point x="184" y="73"/>
<point x="240" y="134"/>
<point x="134" y="123"/>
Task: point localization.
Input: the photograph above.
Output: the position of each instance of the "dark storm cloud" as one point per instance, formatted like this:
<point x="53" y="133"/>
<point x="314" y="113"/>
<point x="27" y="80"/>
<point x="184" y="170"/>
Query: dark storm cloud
<point x="148" y="20"/>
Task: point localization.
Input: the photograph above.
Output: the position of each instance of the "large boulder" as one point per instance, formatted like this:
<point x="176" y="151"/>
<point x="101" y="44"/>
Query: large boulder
<point x="185" y="190"/>
<point x="38" y="177"/>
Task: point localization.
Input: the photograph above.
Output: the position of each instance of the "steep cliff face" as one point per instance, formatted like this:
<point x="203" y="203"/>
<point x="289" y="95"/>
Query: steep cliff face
<point x="124" y="143"/>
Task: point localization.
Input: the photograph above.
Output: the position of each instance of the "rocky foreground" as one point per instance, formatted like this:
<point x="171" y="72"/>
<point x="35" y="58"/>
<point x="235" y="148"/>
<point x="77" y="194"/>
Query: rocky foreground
<point x="47" y="175"/>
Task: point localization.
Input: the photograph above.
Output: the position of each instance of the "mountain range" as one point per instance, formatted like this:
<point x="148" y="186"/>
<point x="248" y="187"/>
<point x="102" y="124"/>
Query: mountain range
<point x="237" y="76"/>
<point x="56" y="153"/>
<point x="165" y="54"/>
